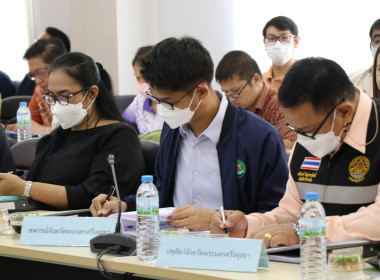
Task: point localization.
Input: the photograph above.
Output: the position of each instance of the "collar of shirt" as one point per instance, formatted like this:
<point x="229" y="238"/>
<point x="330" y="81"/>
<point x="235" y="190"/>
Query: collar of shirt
<point x="213" y="131"/>
<point x="263" y="97"/>
<point x="357" y="135"/>
<point x="147" y="107"/>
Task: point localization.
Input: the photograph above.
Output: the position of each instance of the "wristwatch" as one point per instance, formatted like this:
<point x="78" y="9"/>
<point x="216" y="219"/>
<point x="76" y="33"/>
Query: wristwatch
<point x="296" y="228"/>
<point x="28" y="186"/>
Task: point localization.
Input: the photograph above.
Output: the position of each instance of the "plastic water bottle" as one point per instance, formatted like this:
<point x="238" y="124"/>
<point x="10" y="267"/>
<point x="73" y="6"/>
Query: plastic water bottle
<point x="24" y="127"/>
<point x="313" y="241"/>
<point x="148" y="223"/>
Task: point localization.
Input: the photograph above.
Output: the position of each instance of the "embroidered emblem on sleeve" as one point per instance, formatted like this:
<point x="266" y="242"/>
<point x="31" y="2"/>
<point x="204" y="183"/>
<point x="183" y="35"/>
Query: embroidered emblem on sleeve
<point x="240" y="168"/>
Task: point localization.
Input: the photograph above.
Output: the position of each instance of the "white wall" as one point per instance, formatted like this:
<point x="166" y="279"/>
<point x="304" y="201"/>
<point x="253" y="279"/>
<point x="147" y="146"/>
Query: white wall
<point x="111" y="30"/>
<point x="336" y="29"/>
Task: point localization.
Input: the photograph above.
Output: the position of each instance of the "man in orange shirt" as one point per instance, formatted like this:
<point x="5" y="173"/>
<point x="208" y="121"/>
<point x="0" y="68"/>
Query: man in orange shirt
<point x="336" y="154"/>
<point x="40" y="55"/>
<point x="240" y="79"/>
<point x="280" y="40"/>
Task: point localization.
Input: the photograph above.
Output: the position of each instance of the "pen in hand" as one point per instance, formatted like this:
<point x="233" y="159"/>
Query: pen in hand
<point x="110" y="193"/>
<point x="223" y="219"/>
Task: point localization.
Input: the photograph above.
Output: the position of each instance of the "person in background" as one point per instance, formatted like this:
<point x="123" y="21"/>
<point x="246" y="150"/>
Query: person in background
<point x="27" y="85"/>
<point x="376" y="74"/>
<point x="142" y="112"/>
<point x="40" y="55"/>
<point x="6" y="159"/>
<point x="211" y="153"/>
<point x="280" y="40"/>
<point x="71" y="166"/>
<point x="6" y="86"/>
<point x="336" y="154"/>
<point x="240" y="79"/>
<point x="363" y="78"/>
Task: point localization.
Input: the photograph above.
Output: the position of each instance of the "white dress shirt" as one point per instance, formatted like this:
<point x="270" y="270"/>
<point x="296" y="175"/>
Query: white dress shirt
<point x="197" y="178"/>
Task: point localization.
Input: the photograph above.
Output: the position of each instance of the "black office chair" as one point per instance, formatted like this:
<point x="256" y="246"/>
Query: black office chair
<point x="23" y="153"/>
<point x="149" y="149"/>
<point x="123" y="101"/>
<point x="9" y="106"/>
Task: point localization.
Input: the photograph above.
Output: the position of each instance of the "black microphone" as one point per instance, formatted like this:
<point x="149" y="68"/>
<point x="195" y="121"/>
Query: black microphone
<point x="125" y="243"/>
<point x="111" y="161"/>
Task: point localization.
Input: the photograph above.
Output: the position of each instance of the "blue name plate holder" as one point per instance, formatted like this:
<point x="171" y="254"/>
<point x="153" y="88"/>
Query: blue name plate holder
<point x="200" y="252"/>
<point x="63" y="231"/>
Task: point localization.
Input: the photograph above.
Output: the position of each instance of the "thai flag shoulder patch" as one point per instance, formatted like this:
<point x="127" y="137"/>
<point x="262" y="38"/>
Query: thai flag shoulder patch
<point x="311" y="163"/>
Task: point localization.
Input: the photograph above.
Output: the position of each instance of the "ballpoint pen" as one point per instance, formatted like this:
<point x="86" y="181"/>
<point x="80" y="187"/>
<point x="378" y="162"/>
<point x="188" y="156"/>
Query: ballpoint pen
<point x="223" y="219"/>
<point x="110" y="193"/>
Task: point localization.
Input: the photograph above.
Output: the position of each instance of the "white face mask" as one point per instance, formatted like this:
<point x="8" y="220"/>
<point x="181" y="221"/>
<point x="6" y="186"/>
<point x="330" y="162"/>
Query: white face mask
<point x="70" y="115"/>
<point x="280" y="53"/>
<point x="323" y="144"/>
<point x="374" y="50"/>
<point x="177" y="117"/>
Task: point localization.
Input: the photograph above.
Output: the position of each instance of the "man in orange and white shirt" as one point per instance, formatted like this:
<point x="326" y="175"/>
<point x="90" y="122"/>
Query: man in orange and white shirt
<point x="240" y="79"/>
<point x="39" y="56"/>
<point x="280" y="40"/>
<point x="336" y="155"/>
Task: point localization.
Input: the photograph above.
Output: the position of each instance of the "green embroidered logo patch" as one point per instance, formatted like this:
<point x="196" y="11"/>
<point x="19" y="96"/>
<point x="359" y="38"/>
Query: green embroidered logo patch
<point x="240" y="168"/>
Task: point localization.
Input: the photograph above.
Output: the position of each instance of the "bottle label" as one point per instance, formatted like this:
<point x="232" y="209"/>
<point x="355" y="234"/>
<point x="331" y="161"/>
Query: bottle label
<point x="147" y="206"/>
<point x="314" y="227"/>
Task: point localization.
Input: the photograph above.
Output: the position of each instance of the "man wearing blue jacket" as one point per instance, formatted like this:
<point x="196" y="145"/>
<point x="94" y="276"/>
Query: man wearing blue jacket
<point x="212" y="153"/>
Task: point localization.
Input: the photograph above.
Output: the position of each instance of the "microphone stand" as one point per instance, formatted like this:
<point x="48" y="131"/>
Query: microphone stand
<point x="116" y="243"/>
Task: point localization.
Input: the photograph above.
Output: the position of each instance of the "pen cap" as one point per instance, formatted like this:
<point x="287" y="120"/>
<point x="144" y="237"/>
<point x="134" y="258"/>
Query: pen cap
<point x="147" y="178"/>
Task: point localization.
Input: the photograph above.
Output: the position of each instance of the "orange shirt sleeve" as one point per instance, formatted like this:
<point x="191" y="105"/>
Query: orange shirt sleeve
<point x="33" y="106"/>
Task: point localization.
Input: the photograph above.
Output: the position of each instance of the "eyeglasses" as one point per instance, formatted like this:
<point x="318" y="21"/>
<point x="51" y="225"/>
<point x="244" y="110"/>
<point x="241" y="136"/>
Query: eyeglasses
<point x="237" y="95"/>
<point x="169" y="105"/>
<point x="284" y="39"/>
<point x="37" y="73"/>
<point x="319" y="127"/>
<point x="62" y="99"/>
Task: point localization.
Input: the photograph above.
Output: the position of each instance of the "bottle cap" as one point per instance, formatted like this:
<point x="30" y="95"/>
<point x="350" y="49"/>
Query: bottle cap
<point x="312" y="195"/>
<point x="147" y="178"/>
<point x="23" y="103"/>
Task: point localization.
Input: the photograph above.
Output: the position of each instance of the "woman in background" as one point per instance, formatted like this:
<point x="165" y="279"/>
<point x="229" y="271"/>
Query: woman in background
<point x="142" y="112"/>
<point x="71" y="165"/>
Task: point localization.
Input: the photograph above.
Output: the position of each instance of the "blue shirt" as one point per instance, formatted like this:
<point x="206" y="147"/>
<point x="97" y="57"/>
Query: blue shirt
<point x="196" y="183"/>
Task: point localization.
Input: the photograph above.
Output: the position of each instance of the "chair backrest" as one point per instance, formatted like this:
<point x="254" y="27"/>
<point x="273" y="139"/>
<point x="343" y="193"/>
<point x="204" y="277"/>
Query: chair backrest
<point x="9" y="106"/>
<point x="123" y="101"/>
<point x="149" y="149"/>
<point x="24" y="153"/>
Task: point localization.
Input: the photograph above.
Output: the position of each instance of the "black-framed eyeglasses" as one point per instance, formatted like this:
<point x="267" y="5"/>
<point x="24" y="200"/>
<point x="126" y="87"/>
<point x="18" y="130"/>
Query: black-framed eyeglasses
<point x="169" y="105"/>
<point x="237" y="95"/>
<point x="319" y="127"/>
<point x="285" y="39"/>
<point x="37" y="73"/>
<point x="62" y="99"/>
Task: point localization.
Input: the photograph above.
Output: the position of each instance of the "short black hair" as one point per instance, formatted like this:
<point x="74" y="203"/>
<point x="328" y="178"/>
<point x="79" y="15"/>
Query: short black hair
<point x="48" y="49"/>
<point x="282" y="23"/>
<point x="236" y="63"/>
<point x="177" y="65"/>
<point x="375" y="25"/>
<point x="140" y="54"/>
<point x="55" y="32"/>
<point x="317" y="80"/>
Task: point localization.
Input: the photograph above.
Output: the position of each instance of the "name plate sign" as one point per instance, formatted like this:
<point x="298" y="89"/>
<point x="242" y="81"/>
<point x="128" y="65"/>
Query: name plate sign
<point x="63" y="231"/>
<point x="201" y="252"/>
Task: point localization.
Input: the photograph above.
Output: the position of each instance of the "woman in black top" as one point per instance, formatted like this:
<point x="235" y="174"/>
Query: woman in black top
<point x="71" y="165"/>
